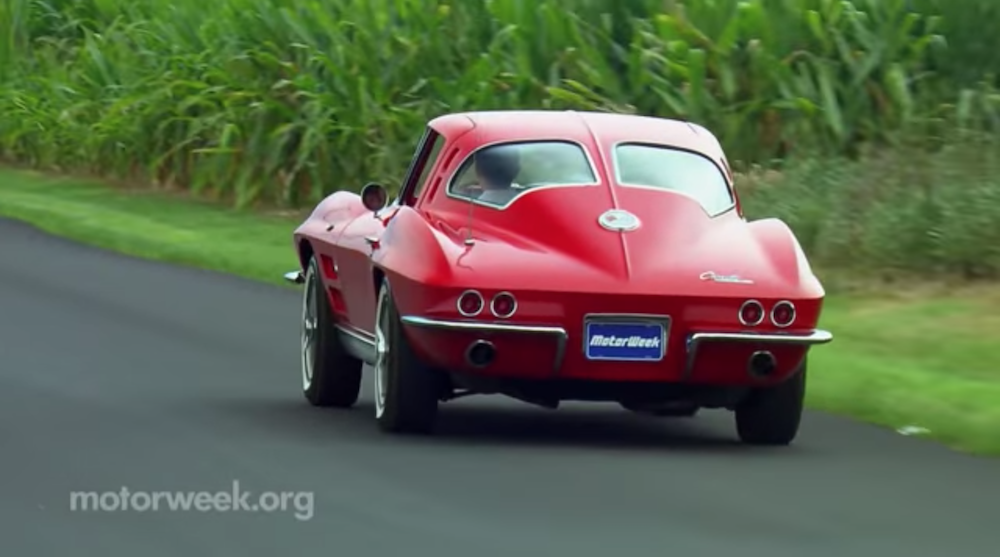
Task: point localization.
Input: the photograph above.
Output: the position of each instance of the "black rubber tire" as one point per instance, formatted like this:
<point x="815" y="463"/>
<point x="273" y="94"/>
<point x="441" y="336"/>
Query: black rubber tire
<point x="772" y="416"/>
<point x="336" y="375"/>
<point x="412" y="388"/>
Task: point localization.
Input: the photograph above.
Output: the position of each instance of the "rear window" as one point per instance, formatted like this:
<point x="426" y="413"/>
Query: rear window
<point x="674" y="170"/>
<point x="500" y="173"/>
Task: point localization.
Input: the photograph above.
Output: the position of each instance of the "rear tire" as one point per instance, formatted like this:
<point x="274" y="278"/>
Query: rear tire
<point x="406" y="390"/>
<point x="330" y="375"/>
<point x="772" y="416"/>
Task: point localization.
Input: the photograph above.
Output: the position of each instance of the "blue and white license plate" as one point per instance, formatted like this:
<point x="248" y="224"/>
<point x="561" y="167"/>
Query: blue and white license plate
<point x="625" y="341"/>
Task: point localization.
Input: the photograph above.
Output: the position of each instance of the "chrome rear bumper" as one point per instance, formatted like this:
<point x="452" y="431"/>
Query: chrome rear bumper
<point x="694" y="341"/>
<point x="818" y="336"/>
<point x="558" y="333"/>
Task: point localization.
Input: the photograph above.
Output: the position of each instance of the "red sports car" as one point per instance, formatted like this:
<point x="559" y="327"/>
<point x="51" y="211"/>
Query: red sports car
<point x="552" y="256"/>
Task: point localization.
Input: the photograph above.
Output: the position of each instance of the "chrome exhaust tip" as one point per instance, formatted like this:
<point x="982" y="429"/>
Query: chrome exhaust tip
<point x="761" y="364"/>
<point x="480" y="353"/>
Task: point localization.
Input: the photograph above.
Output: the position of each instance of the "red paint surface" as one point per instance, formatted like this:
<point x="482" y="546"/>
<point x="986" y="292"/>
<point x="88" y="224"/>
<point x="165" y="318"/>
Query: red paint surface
<point x="548" y="249"/>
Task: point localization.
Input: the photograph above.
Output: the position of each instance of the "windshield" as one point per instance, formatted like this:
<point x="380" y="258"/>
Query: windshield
<point x="672" y="169"/>
<point x="499" y="174"/>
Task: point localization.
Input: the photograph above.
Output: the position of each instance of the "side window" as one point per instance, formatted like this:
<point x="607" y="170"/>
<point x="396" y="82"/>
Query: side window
<point x="421" y="166"/>
<point x="432" y="158"/>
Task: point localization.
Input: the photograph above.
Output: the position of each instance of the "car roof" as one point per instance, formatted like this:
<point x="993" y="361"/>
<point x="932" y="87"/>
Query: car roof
<point x="588" y="128"/>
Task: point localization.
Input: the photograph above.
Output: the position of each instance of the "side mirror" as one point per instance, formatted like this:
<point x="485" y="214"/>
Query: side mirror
<point x="374" y="197"/>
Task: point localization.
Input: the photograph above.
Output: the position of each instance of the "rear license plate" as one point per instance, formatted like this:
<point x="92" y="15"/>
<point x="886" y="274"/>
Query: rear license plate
<point x="626" y="341"/>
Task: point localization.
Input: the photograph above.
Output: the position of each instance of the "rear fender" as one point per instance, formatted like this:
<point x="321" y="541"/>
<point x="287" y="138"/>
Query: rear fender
<point x="786" y="256"/>
<point x="338" y="206"/>
<point x="412" y="256"/>
<point x="336" y="209"/>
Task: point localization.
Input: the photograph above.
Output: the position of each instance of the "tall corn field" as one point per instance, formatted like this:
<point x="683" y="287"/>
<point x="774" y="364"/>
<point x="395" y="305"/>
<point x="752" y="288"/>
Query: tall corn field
<point x="282" y="101"/>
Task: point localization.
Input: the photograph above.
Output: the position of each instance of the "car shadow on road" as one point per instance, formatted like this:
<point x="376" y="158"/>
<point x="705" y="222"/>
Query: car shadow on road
<point x="600" y="427"/>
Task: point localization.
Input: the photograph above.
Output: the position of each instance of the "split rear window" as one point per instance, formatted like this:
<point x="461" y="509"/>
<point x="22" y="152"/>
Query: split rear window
<point x="691" y="174"/>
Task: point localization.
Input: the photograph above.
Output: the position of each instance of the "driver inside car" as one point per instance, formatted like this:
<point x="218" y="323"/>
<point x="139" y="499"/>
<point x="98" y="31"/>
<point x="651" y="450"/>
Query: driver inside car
<point x="496" y="169"/>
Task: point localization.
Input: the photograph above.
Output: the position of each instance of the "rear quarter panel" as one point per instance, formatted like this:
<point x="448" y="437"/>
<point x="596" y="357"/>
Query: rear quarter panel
<point x="337" y="209"/>
<point x="418" y="262"/>
<point x="791" y="266"/>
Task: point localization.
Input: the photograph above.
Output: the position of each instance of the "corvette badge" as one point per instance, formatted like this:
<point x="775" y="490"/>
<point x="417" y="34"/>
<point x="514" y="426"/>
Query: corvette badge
<point x="732" y="279"/>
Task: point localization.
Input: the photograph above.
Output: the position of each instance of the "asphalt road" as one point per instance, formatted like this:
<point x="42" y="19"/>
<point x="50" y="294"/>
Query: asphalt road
<point x="119" y="372"/>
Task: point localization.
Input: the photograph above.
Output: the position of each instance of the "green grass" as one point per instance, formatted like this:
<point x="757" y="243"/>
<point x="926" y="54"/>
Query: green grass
<point x="924" y="357"/>
<point x="153" y="225"/>
<point x="930" y="360"/>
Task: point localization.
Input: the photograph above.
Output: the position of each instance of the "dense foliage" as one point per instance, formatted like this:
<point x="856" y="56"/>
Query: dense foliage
<point x="899" y="213"/>
<point x="283" y="100"/>
<point x="264" y="95"/>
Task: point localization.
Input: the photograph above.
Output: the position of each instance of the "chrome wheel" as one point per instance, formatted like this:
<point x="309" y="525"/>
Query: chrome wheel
<point x="381" y="350"/>
<point x="310" y="329"/>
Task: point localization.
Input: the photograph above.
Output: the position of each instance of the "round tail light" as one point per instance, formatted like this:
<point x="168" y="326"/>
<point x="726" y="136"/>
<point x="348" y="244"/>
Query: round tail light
<point x="503" y="305"/>
<point x="751" y="313"/>
<point x="783" y="314"/>
<point x="470" y="303"/>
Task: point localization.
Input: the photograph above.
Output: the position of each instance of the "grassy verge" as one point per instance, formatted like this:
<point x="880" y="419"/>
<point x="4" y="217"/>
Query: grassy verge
<point x="151" y="224"/>
<point x="925" y="358"/>
<point x="922" y="358"/>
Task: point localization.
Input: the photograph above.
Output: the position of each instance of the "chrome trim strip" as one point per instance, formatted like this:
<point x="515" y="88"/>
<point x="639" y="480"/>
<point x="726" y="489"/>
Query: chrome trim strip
<point x="818" y="336"/>
<point x="295" y="277"/>
<point x="659" y="319"/>
<point x="358" y="343"/>
<point x="481" y="326"/>
<point x="362" y="336"/>
<point x="472" y="326"/>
